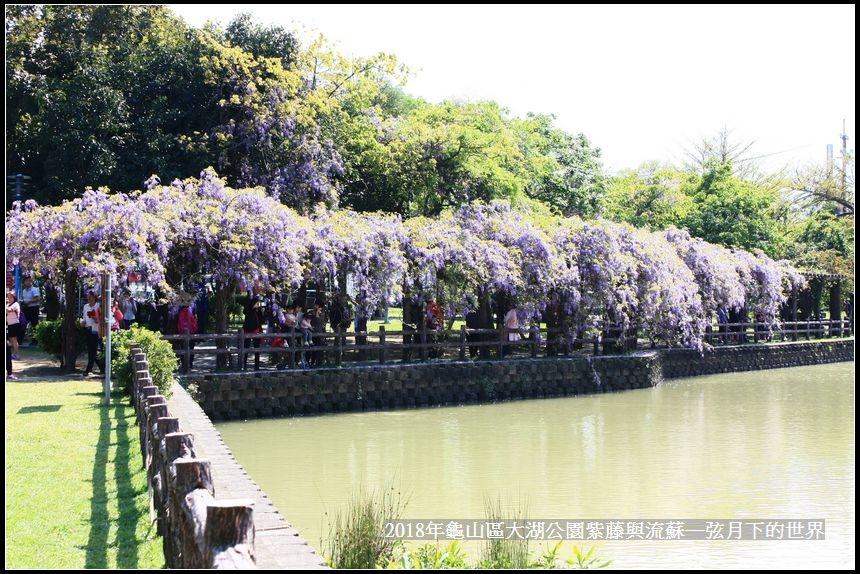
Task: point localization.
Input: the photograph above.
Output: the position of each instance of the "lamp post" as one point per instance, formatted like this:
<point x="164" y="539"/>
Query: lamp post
<point x="18" y="180"/>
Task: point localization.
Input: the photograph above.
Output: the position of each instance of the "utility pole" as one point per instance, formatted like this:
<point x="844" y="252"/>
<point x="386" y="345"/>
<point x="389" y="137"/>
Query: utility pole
<point x="844" y="138"/>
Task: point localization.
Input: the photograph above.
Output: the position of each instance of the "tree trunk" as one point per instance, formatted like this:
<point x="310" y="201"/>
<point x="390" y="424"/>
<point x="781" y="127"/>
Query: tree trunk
<point x="70" y="321"/>
<point x="485" y="314"/>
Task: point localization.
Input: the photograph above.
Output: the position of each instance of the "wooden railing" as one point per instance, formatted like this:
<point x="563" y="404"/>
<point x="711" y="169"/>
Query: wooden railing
<point x="407" y="345"/>
<point x="740" y="333"/>
<point x="197" y="530"/>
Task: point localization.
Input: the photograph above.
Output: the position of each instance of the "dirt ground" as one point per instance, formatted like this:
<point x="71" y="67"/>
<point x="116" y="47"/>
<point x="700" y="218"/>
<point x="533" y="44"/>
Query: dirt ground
<point x="35" y="364"/>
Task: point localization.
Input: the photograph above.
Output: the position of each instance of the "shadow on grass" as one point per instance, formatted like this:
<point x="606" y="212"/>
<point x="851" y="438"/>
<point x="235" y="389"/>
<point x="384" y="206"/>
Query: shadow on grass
<point x="28" y="379"/>
<point x="39" y="409"/>
<point x="129" y="512"/>
<point x="99" y="526"/>
<point x="125" y="542"/>
<point x="30" y="370"/>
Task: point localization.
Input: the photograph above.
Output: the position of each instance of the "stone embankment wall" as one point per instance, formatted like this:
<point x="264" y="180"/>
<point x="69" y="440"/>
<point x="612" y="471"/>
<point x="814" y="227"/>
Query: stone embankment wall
<point x="307" y="392"/>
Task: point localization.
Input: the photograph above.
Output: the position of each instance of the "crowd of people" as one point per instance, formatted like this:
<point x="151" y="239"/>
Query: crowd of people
<point x="271" y="313"/>
<point x="188" y="313"/>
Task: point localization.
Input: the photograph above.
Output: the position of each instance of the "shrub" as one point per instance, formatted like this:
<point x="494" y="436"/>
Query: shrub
<point x="49" y="335"/>
<point x="159" y="353"/>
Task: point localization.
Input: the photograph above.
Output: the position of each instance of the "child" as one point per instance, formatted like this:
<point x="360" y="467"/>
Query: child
<point x="117" y="317"/>
<point x="307" y="331"/>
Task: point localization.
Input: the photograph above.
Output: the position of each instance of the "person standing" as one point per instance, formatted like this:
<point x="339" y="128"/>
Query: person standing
<point x="10" y="376"/>
<point x="117" y="317"/>
<point x="91" y="316"/>
<point x="30" y="299"/>
<point x="186" y="322"/>
<point x="253" y="325"/>
<point x="434" y="322"/>
<point x="52" y="300"/>
<point x="318" y="321"/>
<point x="723" y="321"/>
<point x="473" y="322"/>
<point x="512" y="326"/>
<point x="14" y="330"/>
<point x="201" y="307"/>
<point x="129" y="311"/>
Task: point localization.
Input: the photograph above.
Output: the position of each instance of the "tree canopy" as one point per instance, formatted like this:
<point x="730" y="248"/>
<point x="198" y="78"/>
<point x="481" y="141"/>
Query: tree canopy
<point x="105" y="96"/>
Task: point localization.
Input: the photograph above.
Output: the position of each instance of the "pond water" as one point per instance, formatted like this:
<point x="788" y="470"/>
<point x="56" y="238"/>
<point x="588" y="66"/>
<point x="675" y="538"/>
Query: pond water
<point x="775" y="444"/>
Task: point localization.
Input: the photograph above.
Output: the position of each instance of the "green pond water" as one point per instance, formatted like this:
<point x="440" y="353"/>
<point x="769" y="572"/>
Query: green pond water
<point x="773" y="444"/>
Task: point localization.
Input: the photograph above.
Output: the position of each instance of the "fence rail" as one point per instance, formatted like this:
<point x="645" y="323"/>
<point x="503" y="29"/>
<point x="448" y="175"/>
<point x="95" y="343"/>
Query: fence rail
<point x="197" y="530"/>
<point x="232" y="351"/>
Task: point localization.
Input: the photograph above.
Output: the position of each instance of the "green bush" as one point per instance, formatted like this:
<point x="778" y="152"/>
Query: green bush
<point x="49" y="335"/>
<point x="159" y="353"/>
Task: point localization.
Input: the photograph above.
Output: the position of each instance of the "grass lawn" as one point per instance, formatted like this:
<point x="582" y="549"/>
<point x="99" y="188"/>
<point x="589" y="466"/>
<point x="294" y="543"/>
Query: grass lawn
<point x="76" y="492"/>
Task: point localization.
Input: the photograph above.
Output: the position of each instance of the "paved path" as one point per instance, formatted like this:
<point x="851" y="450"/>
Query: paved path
<point x="279" y="545"/>
<point x="35" y="364"/>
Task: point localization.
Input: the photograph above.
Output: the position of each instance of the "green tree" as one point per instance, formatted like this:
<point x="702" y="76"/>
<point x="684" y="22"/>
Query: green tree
<point x="720" y="149"/>
<point x="566" y="172"/>
<point x="652" y="196"/>
<point x="729" y="211"/>
<point x="434" y="157"/>
<point x="101" y="95"/>
<point x="262" y="41"/>
<point x="824" y="241"/>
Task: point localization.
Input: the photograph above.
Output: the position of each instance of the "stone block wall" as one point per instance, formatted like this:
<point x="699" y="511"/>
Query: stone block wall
<point x="307" y="392"/>
<point x="685" y="363"/>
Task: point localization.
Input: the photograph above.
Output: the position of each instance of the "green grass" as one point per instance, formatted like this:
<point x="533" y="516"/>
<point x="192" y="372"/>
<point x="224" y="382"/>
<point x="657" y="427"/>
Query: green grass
<point x="76" y="494"/>
<point x="504" y="553"/>
<point x="356" y="536"/>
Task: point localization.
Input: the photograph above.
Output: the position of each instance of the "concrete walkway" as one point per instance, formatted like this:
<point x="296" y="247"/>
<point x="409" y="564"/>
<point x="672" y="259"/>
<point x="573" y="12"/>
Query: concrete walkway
<point x="278" y="544"/>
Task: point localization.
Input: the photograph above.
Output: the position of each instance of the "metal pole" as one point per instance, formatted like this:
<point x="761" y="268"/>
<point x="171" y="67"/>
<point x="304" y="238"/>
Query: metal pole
<point x="108" y="316"/>
<point x="19" y="185"/>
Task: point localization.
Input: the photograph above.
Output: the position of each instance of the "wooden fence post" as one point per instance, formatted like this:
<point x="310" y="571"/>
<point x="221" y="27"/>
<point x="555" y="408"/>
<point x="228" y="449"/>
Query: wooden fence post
<point x="462" y="342"/>
<point x="160" y="485"/>
<point x="382" y="344"/>
<point x="176" y="445"/>
<point x="186" y="368"/>
<point x="243" y="358"/>
<point x="229" y="536"/>
<point x="293" y="347"/>
<point x="193" y="492"/>
<point x="146" y="392"/>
